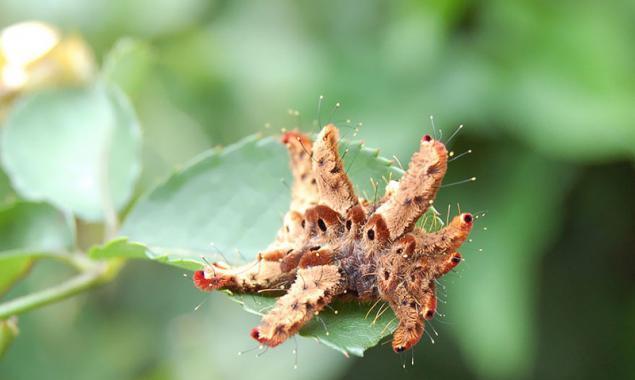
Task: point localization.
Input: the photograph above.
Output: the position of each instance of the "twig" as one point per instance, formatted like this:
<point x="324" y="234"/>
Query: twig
<point x="96" y="275"/>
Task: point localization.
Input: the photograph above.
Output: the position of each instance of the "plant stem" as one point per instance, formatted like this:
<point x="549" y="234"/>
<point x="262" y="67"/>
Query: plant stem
<point x="111" y="221"/>
<point x="96" y="275"/>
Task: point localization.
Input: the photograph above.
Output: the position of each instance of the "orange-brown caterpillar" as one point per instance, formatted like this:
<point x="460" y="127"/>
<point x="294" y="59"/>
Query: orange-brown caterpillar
<point x="333" y="243"/>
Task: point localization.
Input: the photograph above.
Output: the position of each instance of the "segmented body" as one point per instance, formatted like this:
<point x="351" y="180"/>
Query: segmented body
<point x="334" y="244"/>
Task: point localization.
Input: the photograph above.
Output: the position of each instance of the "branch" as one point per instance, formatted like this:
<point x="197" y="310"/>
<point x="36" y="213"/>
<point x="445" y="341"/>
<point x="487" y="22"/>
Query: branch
<point x="92" y="277"/>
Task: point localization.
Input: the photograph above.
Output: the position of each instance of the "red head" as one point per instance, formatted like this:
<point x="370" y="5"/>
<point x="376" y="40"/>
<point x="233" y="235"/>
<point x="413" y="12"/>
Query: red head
<point x="209" y="284"/>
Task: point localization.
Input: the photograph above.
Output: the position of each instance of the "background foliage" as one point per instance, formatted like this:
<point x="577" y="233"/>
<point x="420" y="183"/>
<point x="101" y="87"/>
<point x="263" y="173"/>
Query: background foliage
<point x="546" y="93"/>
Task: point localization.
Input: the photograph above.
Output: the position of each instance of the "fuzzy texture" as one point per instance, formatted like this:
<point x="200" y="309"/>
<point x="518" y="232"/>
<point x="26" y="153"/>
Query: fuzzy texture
<point x="333" y="243"/>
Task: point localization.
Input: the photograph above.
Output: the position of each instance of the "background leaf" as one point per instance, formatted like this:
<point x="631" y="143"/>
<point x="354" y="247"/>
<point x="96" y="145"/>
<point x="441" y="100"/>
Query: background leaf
<point x="77" y="148"/>
<point x="495" y="292"/>
<point x="128" y="64"/>
<point x="7" y="195"/>
<point x="8" y="332"/>
<point x="28" y="230"/>
<point x="193" y="357"/>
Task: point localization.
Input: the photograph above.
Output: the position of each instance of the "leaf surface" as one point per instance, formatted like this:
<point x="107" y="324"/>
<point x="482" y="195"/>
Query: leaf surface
<point x="77" y="148"/>
<point x="29" y="230"/>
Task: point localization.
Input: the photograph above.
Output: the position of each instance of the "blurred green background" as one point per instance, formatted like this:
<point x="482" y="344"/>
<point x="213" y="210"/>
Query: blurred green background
<point x="546" y="91"/>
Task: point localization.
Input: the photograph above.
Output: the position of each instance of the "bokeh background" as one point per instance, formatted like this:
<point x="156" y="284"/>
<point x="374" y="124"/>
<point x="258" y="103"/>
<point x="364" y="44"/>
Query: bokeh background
<point x="546" y="91"/>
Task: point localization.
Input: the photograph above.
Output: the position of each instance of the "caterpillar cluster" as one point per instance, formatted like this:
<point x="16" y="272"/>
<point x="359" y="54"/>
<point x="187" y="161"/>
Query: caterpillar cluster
<point x="334" y="244"/>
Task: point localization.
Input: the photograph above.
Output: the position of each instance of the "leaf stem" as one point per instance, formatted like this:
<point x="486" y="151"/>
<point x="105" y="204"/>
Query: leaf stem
<point x="111" y="221"/>
<point x="92" y="277"/>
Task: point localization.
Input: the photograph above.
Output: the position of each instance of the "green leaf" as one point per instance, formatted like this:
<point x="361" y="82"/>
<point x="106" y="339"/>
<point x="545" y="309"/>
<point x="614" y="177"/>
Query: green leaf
<point x="77" y="148"/>
<point x="7" y="195"/>
<point x="234" y="198"/>
<point x="8" y="332"/>
<point x="119" y="247"/>
<point x="122" y="247"/>
<point x="27" y="231"/>
<point x="13" y="270"/>
<point x="128" y="64"/>
<point x="351" y="330"/>
<point x="364" y="164"/>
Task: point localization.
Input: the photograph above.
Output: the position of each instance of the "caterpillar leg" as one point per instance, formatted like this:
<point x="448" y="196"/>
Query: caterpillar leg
<point x="334" y="186"/>
<point x="304" y="192"/>
<point x="445" y="241"/>
<point x="416" y="189"/>
<point x="313" y="289"/>
<point x="263" y="273"/>
<point x="408" y="286"/>
<point x="411" y="319"/>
